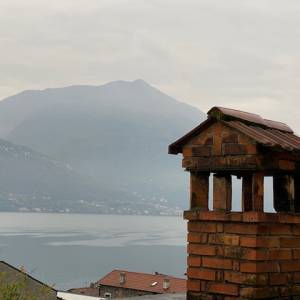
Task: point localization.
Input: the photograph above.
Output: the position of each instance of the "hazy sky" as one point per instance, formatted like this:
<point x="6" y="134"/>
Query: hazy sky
<point x="241" y="54"/>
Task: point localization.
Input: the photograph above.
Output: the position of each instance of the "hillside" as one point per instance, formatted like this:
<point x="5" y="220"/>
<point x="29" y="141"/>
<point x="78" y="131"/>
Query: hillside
<point x="115" y="135"/>
<point x="32" y="181"/>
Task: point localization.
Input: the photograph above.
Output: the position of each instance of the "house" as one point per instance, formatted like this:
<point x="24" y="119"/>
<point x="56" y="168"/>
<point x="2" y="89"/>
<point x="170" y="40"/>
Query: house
<point x="246" y="254"/>
<point x="159" y="297"/>
<point x="21" y="282"/>
<point x="88" y="291"/>
<point x="120" y="284"/>
<point x="72" y="296"/>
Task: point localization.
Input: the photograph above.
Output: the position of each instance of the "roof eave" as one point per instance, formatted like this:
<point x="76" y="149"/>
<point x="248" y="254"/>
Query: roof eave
<point x="176" y="147"/>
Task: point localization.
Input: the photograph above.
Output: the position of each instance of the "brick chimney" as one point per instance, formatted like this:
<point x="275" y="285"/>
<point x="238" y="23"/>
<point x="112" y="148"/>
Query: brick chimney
<point x="122" y="278"/>
<point x="249" y="254"/>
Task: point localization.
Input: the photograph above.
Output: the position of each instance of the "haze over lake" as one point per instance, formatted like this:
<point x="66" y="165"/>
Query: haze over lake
<point x="72" y="250"/>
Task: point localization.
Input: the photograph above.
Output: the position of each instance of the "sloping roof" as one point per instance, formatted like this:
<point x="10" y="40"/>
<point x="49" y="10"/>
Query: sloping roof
<point x="265" y="132"/>
<point x="4" y="263"/>
<point x="159" y="297"/>
<point x="268" y="137"/>
<point x="144" y="282"/>
<point x="90" y="291"/>
<point x="228" y="113"/>
<point x="10" y="271"/>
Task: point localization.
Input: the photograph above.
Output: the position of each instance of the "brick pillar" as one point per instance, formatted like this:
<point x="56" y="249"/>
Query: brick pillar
<point x="243" y="255"/>
<point x="199" y="186"/>
<point x="297" y="192"/>
<point x="258" y="191"/>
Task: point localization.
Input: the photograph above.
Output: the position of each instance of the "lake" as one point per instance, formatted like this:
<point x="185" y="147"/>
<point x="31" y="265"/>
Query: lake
<point x="72" y="250"/>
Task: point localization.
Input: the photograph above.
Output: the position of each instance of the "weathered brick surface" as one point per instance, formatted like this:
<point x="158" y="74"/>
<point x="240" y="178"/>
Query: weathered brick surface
<point x="193" y="285"/>
<point x="296" y="254"/>
<point x="223" y="288"/>
<point x="246" y="279"/>
<point x="202" y="227"/>
<point x="291" y="266"/>
<point x="296" y="277"/>
<point x="290" y="242"/>
<point x="194" y="261"/>
<point x="248" y="255"/>
<point x="230" y="258"/>
<point x="259" y="293"/>
<point x="205" y="274"/>
<point x="280" y="254"/>
<point x="234" y="149"/>
<point x="201" y="151"/>
<point x="230" y="138"/>
<point x="259" y="267"/>
<point x="201" y="249"/>
<point x="195" y="237"/>
<point x="217" y="263"/>
<point x="278" y="279"/>
<point x="255" y="241"/>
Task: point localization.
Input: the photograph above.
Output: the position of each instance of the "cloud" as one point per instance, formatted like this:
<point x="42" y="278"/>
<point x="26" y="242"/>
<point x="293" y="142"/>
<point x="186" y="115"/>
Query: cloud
<point x="243" y="54"/>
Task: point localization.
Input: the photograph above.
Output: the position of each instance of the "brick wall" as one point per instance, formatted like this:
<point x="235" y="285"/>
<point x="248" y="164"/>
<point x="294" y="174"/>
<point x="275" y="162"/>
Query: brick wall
<point x="243" y="255"/>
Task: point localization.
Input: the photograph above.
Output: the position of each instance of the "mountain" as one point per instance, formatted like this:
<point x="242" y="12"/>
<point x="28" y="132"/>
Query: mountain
<point x="115" y="135"/>
<point x="30" y="181"/>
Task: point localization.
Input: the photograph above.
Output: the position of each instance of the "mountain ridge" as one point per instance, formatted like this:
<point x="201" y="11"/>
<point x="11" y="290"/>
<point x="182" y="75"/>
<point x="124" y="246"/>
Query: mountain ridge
<point x="116" y="133"/>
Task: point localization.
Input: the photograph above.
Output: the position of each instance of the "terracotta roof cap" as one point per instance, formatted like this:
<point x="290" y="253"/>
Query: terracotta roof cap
<point x="269" y="133"/>
<point x="228" y="114"/>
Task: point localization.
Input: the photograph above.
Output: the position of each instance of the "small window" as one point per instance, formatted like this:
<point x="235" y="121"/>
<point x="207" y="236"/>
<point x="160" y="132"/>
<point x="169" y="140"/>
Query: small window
<point x="107" y="295"/>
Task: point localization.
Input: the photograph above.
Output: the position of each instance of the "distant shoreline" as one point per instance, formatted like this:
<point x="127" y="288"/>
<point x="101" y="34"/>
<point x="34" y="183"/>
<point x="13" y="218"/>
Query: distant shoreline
<point x="85" y="213"/>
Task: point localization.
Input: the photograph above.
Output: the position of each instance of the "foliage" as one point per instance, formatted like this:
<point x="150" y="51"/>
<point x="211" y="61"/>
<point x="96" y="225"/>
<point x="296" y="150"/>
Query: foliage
<point x="16" y="286"/>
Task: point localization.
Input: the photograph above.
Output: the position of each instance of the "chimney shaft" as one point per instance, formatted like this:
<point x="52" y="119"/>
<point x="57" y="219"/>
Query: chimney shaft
<point x="122" y="277"/>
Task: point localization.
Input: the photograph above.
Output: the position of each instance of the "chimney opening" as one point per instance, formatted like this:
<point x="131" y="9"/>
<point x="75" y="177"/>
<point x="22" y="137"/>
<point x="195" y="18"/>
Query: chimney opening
<point x="269" y="195"/>
<point x="236" y="193"/>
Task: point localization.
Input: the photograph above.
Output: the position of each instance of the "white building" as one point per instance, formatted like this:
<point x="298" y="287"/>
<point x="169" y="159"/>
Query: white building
<point x="70" y="296"/>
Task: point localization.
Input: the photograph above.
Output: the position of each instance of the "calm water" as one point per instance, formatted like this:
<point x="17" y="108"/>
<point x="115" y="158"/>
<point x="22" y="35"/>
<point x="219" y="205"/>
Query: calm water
<point x="74" y="250"/>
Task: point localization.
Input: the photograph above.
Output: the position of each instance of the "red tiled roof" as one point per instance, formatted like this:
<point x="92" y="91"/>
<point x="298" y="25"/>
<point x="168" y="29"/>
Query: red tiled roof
<point x="144" y="282"/>
<point x="248" y="117"/>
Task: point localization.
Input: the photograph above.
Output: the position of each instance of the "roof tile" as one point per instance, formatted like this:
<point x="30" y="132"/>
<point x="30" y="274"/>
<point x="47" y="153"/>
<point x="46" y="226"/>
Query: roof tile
<point x="265" y="132"/>
<point x="144" y="282"/>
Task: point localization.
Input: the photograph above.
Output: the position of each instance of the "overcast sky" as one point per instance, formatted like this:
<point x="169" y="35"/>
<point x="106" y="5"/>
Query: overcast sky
<point x="240" y="54"/>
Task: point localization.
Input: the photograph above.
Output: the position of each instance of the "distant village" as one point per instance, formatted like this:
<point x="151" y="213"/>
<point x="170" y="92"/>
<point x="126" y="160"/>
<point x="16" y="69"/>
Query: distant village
<point x="116" y="284"/>
<point x="139" y="205"/>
